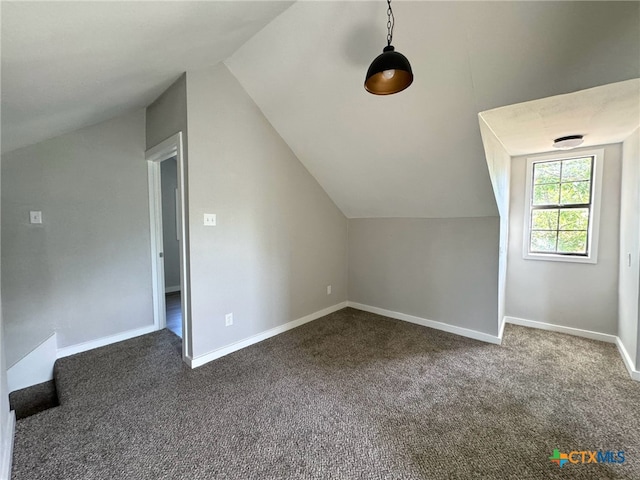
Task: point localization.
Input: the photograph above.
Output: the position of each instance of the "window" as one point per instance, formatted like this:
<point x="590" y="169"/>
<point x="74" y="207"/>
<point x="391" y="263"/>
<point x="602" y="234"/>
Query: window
<point x="562" y="207"/>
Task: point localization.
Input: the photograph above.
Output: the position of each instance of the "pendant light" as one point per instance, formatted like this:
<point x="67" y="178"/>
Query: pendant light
<point x="389" y="72"/>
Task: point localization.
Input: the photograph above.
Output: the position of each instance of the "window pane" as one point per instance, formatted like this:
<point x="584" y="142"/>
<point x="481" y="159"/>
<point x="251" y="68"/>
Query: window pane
<point x="544" y="219"/>
<point x="572" y="242"/>
<point x="574" y="219"/>
<point x="548" y="194"/>
<point x="547" y="172"/>
<point x="576" y="169"/>
<point x="575" y="192"/>
<point x="543" y="241"/>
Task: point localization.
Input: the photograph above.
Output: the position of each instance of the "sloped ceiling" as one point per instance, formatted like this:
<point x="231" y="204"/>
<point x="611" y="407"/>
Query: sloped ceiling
<point x="605" y="114"/>
<point x="419" y="153"/>
<point x="67" y="65"/>
<point x="416" y="154"/>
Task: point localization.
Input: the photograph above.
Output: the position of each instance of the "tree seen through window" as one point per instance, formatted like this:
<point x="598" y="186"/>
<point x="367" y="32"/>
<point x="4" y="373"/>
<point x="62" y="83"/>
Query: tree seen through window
<point x="561" y="206"/>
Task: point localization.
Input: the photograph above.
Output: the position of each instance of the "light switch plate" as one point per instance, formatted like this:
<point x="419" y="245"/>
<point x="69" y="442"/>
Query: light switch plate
<point x="35" y="217"/>
<point x="209" y="219"/>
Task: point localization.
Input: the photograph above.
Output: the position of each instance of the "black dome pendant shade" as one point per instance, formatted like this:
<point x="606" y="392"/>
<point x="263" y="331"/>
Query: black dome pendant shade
<point x="389" y="72"/>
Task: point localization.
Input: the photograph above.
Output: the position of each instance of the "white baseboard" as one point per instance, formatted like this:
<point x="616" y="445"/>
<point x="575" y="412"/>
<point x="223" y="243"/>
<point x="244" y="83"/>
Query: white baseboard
<point x="626" y="358"/>
<point x="6" y="446"/>
<point x="501" y="334"/>
<point x="578" y="332"/>
<point x="101" y="342"/>
<point x="445" y="327"/>
<point x="172" y="289"/>
<point x="603" y="337"/>
<point x="35" y="367"/>
<point x="221" y="352"/>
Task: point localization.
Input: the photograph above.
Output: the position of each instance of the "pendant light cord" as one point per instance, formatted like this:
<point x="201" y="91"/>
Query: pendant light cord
<point x="390" y="23"/>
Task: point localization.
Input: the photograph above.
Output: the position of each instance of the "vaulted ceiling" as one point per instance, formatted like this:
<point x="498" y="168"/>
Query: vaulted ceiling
<point x="419" y="153"/>
<point x="414" y="154"/>
<point x="70" y="64"/>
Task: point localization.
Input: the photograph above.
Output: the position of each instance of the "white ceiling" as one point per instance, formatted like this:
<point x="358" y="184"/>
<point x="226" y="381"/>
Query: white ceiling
<point x="72" y="64"/>
<point x="419" y="153"/>
<point x="606" y="114"/>
<point x="415" y="154"/>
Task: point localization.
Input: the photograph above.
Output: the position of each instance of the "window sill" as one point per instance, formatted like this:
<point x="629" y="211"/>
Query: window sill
<point x="549" y="257"/>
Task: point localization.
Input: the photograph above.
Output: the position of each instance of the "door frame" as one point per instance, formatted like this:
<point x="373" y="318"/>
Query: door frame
<point x="169" y="148"/>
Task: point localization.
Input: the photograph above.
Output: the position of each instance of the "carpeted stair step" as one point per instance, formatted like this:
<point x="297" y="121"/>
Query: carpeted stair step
<point x="112" y="373"/>
<point x="35" y="399"/>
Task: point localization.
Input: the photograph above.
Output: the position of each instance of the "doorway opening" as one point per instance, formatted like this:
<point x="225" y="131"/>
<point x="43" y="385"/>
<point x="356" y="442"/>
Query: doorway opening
<point x="171" y="244"/>
<point x="169" y="253"/>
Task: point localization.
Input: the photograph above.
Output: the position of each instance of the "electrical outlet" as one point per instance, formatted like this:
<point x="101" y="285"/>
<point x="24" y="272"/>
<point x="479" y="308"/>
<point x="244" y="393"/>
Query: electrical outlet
<point x="35" y="217"/>
<point x="328" y="289"/>
<point x="228" y="319"/>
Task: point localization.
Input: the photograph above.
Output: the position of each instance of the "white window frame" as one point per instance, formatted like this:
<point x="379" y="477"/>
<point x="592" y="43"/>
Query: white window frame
<point x="594" y="220"/>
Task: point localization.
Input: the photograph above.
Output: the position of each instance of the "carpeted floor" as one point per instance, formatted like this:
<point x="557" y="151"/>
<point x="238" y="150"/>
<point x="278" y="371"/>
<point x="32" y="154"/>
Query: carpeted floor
<point x="350" y="396"/>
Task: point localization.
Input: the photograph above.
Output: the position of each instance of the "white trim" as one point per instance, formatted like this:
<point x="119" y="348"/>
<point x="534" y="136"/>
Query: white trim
<point x="578" y="332"/>
<point x="101" y="342"/>
<point x="168" y="148"/>
<point x="177" y="208"/>
<point x="594" y="221"/>
<point x="626" y="359"/>
<point x="445" y="327"/>
<point x="35" y="367"/>
<point x="6" y="445"/>
<point x="171" y="147"/>
<point x="501" y="334"/>
<point x="221" y="352"/>
<point x="172" y="289"/>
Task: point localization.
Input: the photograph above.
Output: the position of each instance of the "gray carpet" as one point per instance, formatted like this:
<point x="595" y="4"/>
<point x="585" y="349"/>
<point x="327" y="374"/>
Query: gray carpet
<point x="350" y="396"/>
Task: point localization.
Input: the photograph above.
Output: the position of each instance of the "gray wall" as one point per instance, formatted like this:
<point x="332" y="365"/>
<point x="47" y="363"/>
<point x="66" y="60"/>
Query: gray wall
<point x="499" y="164"/>
<point x="167" y="115"/>
<point x="171" y="246"/>
<point x="85" y="272"/>
<point x="280" y="240"/>
<point x="439" y="269"/>
<point x="629" y="287"/>
<point x="577" y="295"/>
